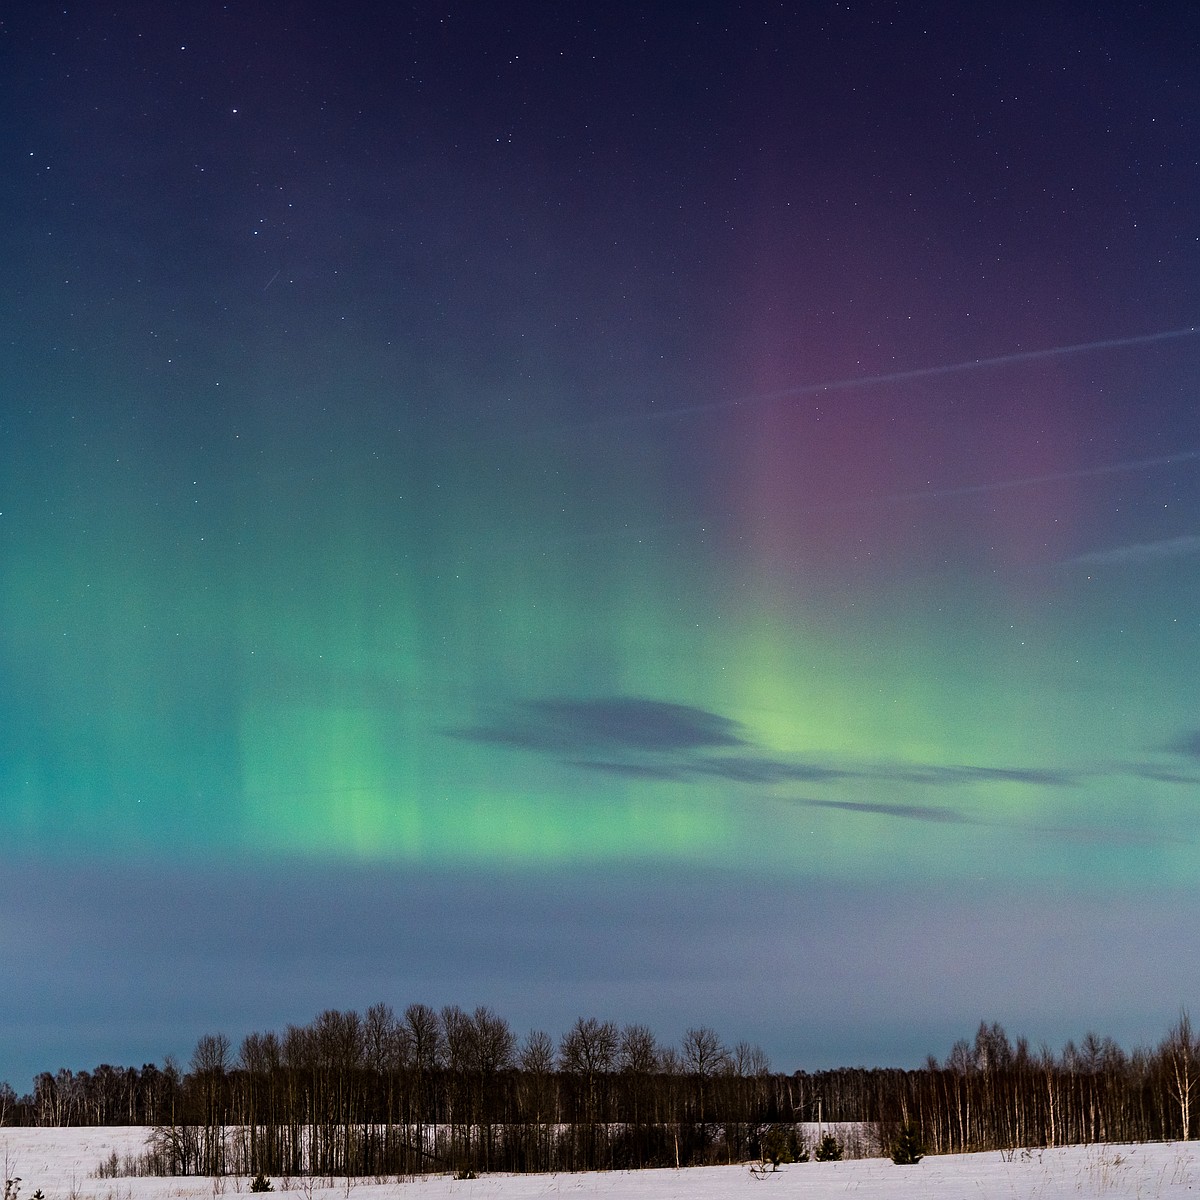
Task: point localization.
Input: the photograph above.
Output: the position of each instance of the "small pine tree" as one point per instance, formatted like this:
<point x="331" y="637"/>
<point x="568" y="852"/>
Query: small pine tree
<point x="908" y="1149"/>
<point x="772" y="1147"/>
<point x="830" y="1149"/>
<point x="260" y="1183"/>
<point x="780" y="1144"/>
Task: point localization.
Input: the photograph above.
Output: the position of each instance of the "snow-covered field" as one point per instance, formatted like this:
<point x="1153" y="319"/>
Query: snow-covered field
<point x="61" y="1163"/>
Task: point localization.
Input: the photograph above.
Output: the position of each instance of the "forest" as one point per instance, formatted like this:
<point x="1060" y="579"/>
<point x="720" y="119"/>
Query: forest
<point x="385" y="1094"/>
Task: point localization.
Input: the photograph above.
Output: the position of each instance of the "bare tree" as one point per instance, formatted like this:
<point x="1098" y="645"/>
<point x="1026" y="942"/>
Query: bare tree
<point x="494" y="1045"/>
<point x="960" y="1059"/>
<point x="993" y="1050"/>
<point x="210" y="1062"/>
<point x="259" y="1058"/>
<point x="1179" y="1053"/>
<point x="669" y="1062"/>
<point x="703" y="1053"/>
<point x="259" y="1053"/>
<point x="424" y="1039"/>
<point x="299" y="1048"/>
<point x="589" y="1047"/>
<point x="536" y="1055"/>
<point x="535" y="1060"/>
<point x="588" y="1051"/>
<point x="746" y="1060"/>
<point x="211" y="1054"/>
<point x="638" y="1060"/>
<point x="424" y="1036"/>
<point x="637" y="1052"/>
<point x="339" y="1039"/>
<point x="493" y="1049"/>
<point x="457" y="1037"/>
<point x="382" y="1038"/>
<point x="703" y="1057"/>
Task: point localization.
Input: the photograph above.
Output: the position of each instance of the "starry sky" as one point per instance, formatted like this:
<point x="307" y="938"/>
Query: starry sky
<point x="685" y="513"/>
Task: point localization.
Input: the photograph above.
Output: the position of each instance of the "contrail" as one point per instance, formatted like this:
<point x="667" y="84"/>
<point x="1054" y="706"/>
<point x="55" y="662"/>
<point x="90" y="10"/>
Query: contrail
<point x="855" y="382"/>
<point x="1005" y="485"/>
<point x="976" y="364"/>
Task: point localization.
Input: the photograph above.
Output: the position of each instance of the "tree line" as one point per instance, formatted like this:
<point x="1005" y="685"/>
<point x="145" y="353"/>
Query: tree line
<point x="384" y="1094"/>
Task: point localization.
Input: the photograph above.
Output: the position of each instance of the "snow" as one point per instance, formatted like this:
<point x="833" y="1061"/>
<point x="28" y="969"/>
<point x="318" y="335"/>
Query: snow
<point x="62" y="1164"/>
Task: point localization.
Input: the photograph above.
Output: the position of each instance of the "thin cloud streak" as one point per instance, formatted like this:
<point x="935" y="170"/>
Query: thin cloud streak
<point x="1007" y="485"/>
<point x="1162" y="775"/>
<point x="855" y="382"/>
<point x="1038" y="777"/>
<point x="909" y="812"/>
<point x="664" y="773"/>
<point x="1139" y="552"/>
<point x="768" y="770"/>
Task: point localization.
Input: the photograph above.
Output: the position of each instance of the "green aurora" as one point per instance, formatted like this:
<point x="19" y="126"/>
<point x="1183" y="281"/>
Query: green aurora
<point x="266" y="648"/>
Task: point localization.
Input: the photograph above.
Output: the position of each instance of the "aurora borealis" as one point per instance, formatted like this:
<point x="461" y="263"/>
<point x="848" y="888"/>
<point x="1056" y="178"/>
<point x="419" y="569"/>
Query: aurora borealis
<point x="654" y="483"/>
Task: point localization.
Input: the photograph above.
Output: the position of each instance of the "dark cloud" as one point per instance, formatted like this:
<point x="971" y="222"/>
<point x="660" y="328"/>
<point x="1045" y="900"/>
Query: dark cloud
<point x="736" y="770"/>
<point x="637" y="738"/>
<point x="1036" y="776"/>
<point x="633" y="770"/>
<point x="910" y="812"/>
<point x="642" y="724"/>
<point x="767" y="770"/>
<point x="1187" y="744"/>
<point x="1161" y="774"/>
<point x="564" y="725"/>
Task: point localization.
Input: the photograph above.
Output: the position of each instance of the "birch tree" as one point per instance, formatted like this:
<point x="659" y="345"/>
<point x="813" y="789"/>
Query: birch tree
<point x="1179" y="1053"/>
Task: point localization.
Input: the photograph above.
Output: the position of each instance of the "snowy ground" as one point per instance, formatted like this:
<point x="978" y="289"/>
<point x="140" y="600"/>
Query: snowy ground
<point x="61" y="1163"/>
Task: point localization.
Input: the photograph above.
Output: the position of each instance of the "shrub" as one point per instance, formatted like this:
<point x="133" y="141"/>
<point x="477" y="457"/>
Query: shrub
<point x="260" y="1183"/>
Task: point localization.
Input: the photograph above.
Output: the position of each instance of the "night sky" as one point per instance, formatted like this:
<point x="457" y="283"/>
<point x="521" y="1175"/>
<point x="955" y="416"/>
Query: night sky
<point x="686" y="513"/>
